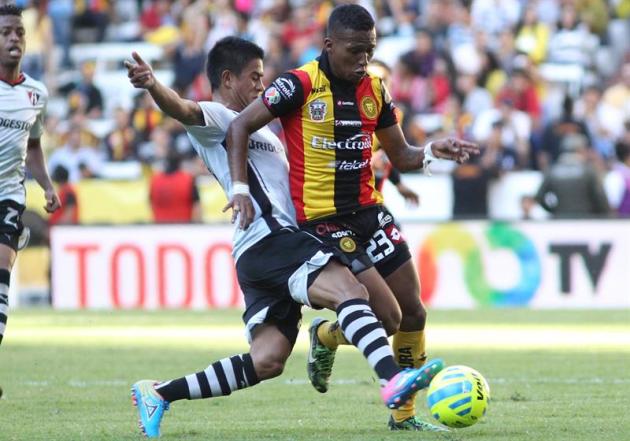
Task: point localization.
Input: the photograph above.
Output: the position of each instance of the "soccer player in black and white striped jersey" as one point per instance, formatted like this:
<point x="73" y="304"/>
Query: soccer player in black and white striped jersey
<point x="279" y="267"/>
<point x="22" y="104"/>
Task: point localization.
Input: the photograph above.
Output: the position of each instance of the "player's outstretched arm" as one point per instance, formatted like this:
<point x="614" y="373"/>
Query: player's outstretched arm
<point x="141" y="76"/>
<point x="37" y="166"/>
<point x="252" y="118"/>
<point x="406" y="157"/>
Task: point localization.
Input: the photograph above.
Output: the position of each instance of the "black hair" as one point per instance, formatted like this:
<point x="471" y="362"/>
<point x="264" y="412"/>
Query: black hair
<point x="353" y="17"/>
<point x="10" y="10"/>
<point x="60" y="174"/>
<point x="233" y="54"/>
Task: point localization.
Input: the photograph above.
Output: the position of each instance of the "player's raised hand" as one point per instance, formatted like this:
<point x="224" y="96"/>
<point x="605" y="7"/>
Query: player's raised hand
<point x="242" y="210"/>
<point x="139" y="72"/>
<point x="52" y="201"/>
<point x="454" y="149"/>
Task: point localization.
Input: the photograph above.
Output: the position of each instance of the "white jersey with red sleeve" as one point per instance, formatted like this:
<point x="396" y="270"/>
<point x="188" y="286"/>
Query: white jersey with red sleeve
<point x="22" y="109"/>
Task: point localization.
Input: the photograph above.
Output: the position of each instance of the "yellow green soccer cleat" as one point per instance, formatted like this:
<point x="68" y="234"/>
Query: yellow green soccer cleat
<point x="320" y="359"/>
<point x="151" y="407"/>
<point x="414" y="424"/>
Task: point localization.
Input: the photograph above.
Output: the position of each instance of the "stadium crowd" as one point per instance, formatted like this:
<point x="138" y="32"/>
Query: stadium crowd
<point x="521" y="78"/>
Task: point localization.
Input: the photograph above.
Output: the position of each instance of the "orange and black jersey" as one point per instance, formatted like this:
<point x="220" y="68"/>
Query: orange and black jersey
<point x="328" y="125"/>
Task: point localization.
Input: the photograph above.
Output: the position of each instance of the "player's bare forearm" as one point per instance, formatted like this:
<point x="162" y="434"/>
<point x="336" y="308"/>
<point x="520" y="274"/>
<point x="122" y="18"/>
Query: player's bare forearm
<point x="37" y="165"/>
<point x="185" y="111"/>
<point x="141" y="76"/>
<point x="406" y="157"/>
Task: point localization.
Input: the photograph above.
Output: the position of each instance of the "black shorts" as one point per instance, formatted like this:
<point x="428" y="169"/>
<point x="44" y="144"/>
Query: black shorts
<point x="275" y="275"/>
<point x="11" y="223"/>
<point x="369" y="237"/>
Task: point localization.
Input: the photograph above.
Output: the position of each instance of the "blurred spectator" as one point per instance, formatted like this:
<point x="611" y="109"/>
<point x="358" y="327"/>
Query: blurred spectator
<point x="515" y="127"/>
<point x="38" y="60"/>
<point x="475" y="99"/>
<point x="572" y="187"/>
<point x="604" y="123"/>
<point x="90" y="21"/>
<point x="69" y="212"/>
<point x="622" y="170"/>
<point x="421" y="59"/>
<point x="85" y="97"/>
<point x="188" y="61"/>
<point x="78" y="159"/>
<point x="532" y="35"/>
<point x="173" y="193"/>
<point x="555" y="132"/>
<point x="495" y="16"/>
<point x="60" y="13"/>
<point x="617" y="96"/>
<point x="522" y="93"/>
<point x="156" y="15"/>
<point x="145" y="116"/>
<point x="471" y="182"/>
<point x="121" y="144"/>
<point x="155" y="150"/>
<point x="572" y="42"/>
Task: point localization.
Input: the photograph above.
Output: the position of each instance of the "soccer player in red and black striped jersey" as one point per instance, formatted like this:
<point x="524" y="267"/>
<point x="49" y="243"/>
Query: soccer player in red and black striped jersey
<point x="330" y="108"/>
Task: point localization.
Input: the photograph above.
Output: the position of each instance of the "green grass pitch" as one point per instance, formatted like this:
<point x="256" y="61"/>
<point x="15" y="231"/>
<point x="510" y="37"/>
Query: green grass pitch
<point x="554" y="375"/>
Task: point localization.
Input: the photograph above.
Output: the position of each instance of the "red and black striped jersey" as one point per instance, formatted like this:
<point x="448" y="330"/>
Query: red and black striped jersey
<point x="329" y="124"/>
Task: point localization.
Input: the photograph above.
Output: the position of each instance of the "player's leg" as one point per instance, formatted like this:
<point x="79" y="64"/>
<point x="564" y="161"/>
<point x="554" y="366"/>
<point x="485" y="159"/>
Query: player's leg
<point x="7" y="258"/>
<point x="398" y="270"/>
<point x="268" y="353"/>
<point x="326" y="336"/>
<point x="336" y="288"/>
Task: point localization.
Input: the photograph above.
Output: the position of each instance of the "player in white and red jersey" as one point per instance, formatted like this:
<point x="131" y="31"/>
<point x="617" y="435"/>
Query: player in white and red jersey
<point x="22" y="105"/>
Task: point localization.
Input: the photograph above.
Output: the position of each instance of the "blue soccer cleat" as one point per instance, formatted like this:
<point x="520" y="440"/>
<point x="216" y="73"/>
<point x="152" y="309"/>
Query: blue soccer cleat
<point x="400" y="388"/>
<point x="151" y="407"/>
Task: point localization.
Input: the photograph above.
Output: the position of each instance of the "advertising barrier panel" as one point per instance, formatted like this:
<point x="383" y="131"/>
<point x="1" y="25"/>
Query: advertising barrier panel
<point x="560" y="264"/>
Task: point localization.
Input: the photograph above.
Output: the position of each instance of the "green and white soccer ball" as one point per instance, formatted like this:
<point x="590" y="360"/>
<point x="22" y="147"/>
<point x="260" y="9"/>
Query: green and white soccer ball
<point x="458" y="396"/>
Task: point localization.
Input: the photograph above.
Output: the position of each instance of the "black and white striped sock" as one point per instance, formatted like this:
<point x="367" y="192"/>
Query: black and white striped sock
<point x="360" y="326"/>
<point x="220" y="378"/>
<point x="5" y="279"/>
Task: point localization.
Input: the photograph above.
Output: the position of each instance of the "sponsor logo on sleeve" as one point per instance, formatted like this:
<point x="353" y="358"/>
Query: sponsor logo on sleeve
<point x="285" y="86"/>
<point x="272" y="96"/>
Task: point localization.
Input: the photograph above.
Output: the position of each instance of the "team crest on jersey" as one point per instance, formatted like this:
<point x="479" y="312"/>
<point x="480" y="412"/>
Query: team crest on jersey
<point x="317" y="109"/>
<point x="272" y="96"/>
<point x="347" y="245"/>
<point x="369" y="107"/>
<point x="33" y="97"/>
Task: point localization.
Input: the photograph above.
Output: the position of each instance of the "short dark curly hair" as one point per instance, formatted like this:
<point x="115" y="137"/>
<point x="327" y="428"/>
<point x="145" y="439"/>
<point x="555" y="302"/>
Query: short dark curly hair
<point x="10" y="10"/>
<point x="349" y="16"/>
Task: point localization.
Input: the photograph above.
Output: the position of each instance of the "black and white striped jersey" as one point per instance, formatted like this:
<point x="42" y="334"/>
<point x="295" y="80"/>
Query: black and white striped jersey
<point x="267" y="173"/>
<point x="22" y="108"/>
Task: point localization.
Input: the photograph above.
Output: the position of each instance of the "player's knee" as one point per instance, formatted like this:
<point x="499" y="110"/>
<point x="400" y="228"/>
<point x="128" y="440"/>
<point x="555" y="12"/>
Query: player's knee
<point x="269" y="367"/>
<point x="391" y="321"/>
<point x="358" y="291"/>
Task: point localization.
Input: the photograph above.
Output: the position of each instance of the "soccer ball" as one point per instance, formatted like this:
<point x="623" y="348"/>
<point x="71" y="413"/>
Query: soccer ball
<point x="458" y="396"/>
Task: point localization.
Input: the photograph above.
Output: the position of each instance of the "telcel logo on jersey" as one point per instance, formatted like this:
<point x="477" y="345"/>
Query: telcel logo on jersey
<point x="352" y="165"/>
<point x="360" y="141"/>
<point x="453" y="238"/>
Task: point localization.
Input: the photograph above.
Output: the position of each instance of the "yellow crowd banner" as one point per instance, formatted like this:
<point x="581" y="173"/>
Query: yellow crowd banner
<point x="125" y="202"/>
